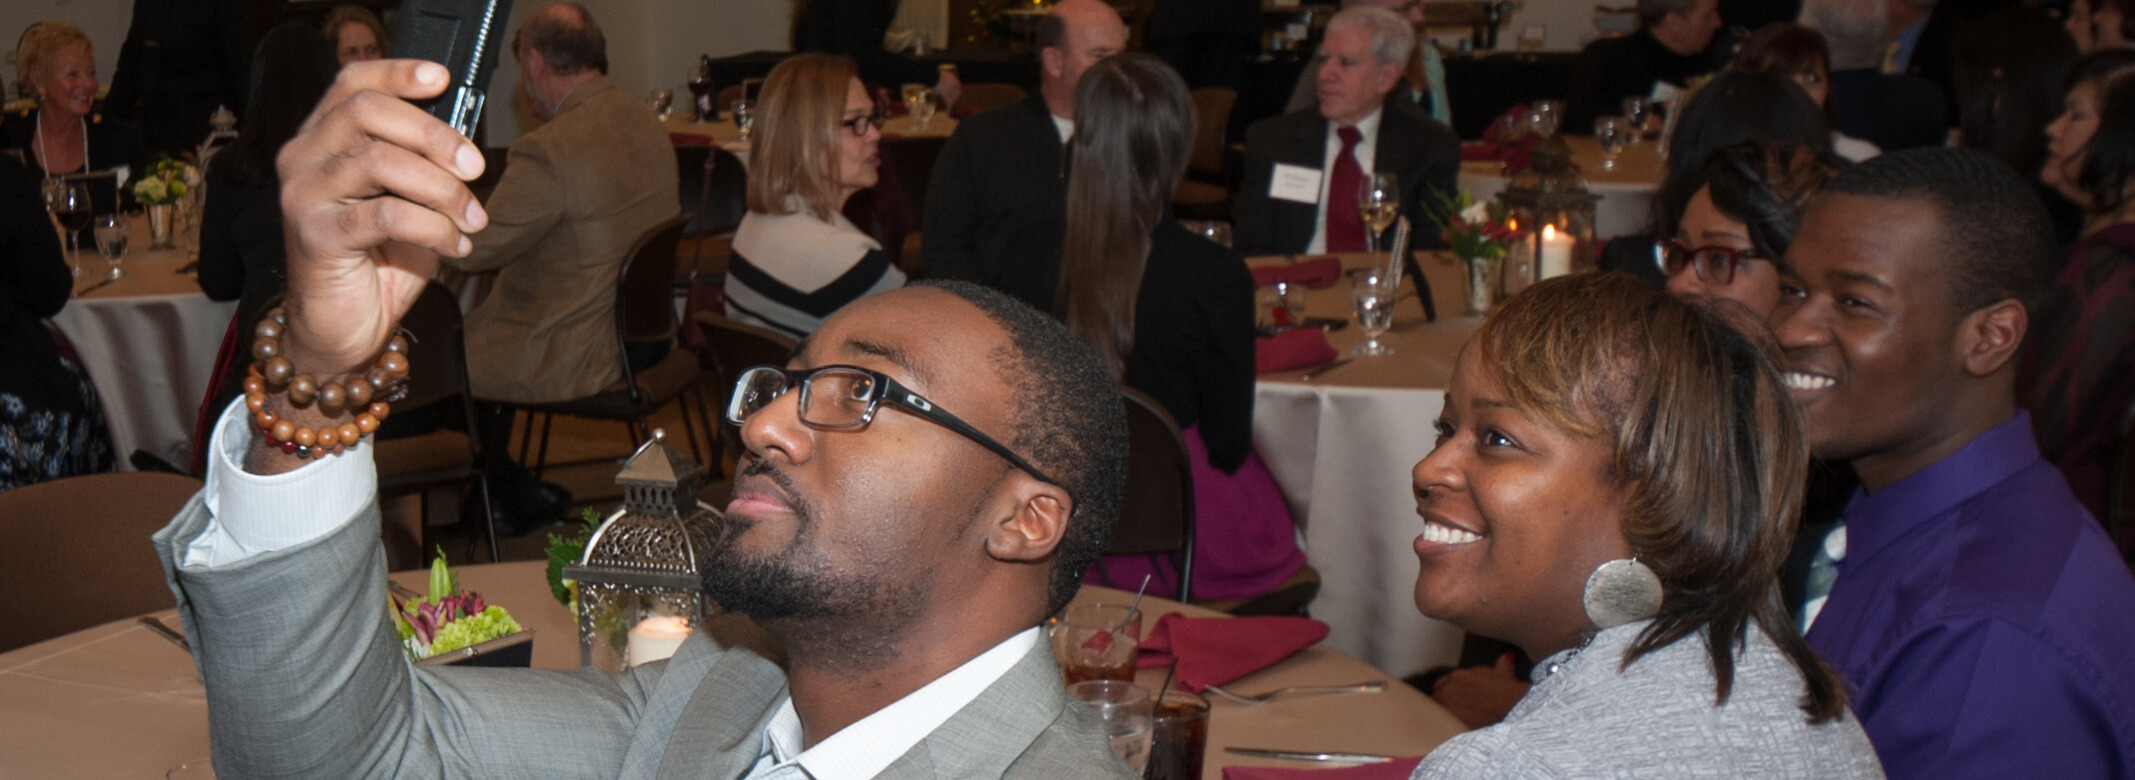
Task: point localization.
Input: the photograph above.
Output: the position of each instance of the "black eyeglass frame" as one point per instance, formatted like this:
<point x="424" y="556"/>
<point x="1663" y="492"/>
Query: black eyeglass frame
<point x="885" y="389"/>
<point x="1673" y="256"/>
<point x="859" y="125"/>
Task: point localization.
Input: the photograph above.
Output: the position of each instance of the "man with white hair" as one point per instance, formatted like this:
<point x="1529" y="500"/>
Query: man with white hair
<point x="1423" y="83"/>
<point x="1891" y="111"/>
<point x="1671" y="45"/>
<point x="1299" y="164"/>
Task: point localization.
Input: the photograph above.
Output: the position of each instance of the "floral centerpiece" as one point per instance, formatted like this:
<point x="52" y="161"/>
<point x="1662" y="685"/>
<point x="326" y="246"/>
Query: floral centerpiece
<point x="164" y="188"/>
<point x="564" y="551"/>
<point x="448" y="618"/>
<point x="1481" y="234"/>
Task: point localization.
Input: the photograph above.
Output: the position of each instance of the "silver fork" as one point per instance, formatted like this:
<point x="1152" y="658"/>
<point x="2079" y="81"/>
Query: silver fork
<point x="1264" y="698"/>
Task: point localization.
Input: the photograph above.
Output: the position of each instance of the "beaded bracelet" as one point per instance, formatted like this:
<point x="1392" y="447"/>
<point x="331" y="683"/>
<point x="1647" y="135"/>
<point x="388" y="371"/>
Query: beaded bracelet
<point x="367" y="394"/>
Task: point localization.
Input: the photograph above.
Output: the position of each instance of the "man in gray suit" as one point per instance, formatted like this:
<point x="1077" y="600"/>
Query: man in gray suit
<point x="903" y="556"/>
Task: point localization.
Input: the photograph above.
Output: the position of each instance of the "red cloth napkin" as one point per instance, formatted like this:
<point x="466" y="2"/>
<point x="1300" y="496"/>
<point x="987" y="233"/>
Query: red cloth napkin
<point x="1397" y="769"/>
<point x="1314" y="272"/>
<point x="1214" y="651"/>
<point x="688" y="139"/>
<point x="1291" y="349"/>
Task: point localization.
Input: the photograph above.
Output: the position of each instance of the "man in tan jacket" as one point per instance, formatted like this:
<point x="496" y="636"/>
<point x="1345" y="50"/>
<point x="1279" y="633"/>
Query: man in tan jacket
<point x="576" y="193"/>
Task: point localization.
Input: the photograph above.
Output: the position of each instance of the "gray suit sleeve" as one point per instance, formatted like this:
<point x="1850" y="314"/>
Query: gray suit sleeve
<point x="306" y="679"/>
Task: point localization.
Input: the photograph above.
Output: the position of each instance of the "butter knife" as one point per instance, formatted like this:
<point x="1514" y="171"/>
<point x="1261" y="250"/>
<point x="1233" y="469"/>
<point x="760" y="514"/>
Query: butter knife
<point x="93" y="288"/>
<point x="1306" y="755"/>
<point x="1322" y="369"/>
<point x="164" y="631"/>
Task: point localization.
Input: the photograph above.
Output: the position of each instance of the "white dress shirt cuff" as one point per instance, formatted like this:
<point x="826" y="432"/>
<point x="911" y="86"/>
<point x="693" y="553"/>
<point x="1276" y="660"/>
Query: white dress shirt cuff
<point x="250" y="514"/>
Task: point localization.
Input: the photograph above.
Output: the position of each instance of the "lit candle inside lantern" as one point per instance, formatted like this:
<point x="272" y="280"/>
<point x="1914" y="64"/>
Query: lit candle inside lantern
<point x="1556" y="253"/>
<point x="655" y="638"/>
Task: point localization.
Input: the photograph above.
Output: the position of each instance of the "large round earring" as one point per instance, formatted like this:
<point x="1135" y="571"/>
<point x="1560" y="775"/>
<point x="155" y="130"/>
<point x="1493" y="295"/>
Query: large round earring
<point x="1621" y="591"/>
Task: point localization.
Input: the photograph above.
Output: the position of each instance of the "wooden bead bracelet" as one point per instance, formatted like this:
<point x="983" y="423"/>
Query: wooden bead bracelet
<point x="366" y="395"/>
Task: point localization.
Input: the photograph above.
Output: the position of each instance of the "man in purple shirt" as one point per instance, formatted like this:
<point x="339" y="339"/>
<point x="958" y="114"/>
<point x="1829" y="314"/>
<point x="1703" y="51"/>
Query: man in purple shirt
<point x="1983" y="623"/>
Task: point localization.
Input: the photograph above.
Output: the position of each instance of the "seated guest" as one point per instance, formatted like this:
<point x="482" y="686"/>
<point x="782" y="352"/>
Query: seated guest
<point x="1303" y="170"/>
<point x="1560" y="514"/>
<point x="1891" y="111"/>
<point x="51" y="424"/>
<point x="854" y="29"/>
<point x="1423" y="79"/>
<point x="64" y="133"/>
<point x="1978" y="614"/>
<point x="1798" y="53"/>
<point x="2081" y="355"/>
<point x="179" y="63"/>
<point x="996" y="200"/>
<point x="356" y="34"/>
<point x="2101" y="25"/>
<point x="1670" y="46"/>
<point x="904" y="567"/>
<point x="1172" y="315"/>
<point x="796" y="258"/>
<point x="1731" y="240"/>
<point x="2011" y="72"/>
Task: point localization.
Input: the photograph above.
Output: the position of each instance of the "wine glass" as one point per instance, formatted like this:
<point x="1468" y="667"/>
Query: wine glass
<point x="700" y="91"/>
<point x="1373" y="294"/>
<point x="1638" y="111"/>
<point x="111" y="238"/>
<point x="1614" y="133"/>
<point x="663" y="103"/>
<point x="1547" y="117"/>
<point x="919" y="102"/>
<point x="69" y="203"/>
<point x="744" y="118"/>
<point x="1379" y="201"/>
<point x="1128" y="717"/>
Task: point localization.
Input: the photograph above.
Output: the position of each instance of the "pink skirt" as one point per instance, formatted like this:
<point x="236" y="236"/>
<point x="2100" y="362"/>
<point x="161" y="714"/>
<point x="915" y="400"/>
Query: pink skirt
<point x="1245" y="543"/>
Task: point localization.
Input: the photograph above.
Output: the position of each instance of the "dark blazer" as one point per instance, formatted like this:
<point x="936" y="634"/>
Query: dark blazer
<point x="997" y="203"/>
<point x="111" y="144"/>
<point x="1892" y="112"/>
<point x="1612" y="69"/>
<point x="1422" y="152"/>
<point x="1193" y="340"/>
<point x="855" y="28"/>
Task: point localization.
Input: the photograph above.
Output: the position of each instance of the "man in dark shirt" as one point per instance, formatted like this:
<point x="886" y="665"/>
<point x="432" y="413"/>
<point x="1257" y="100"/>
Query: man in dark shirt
<point x="1670" y="46"/>
<point x="997" y="201"/>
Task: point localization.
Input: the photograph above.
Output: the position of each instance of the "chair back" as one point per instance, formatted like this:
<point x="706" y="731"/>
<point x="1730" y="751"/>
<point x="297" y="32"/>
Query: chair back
<point x="437" y="349"/>
<point x="1212" y="117"/>
<point x="1156" y="514"/>
<point x="87" y="559"/>
<point x="644" y="295"/>
<point x="714" y="188"/>
<point x="731" y="347"/>
<point x="983" y="96"/>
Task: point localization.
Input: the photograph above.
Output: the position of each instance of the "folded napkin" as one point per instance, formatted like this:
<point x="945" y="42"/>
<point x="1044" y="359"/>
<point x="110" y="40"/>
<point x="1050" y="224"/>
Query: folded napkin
<point x="688" y="139"/>
<point x="1397" y="769"/>
<point x="1480" y="150"/>
<point x="1316" y="272"/>
<point x="1291" y="349"/>
<point x="1214" y="651"/>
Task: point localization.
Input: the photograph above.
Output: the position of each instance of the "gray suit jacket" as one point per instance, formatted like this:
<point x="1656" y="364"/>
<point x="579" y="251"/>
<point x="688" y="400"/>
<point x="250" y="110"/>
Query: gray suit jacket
<point x="306" y="679"/>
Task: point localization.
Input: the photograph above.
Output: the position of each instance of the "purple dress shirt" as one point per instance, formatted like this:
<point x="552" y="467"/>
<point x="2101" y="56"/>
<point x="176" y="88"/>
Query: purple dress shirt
<point x="1983" y="623"/>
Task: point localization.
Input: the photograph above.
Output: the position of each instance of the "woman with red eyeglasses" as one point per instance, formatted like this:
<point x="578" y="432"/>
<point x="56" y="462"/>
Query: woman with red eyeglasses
<point x="1731" y="239"/>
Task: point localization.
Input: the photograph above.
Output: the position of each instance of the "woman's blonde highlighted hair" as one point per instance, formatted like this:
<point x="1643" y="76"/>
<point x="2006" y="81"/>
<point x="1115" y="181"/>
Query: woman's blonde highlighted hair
<point x="793" y="150"/>
<point x="42" y="45"/>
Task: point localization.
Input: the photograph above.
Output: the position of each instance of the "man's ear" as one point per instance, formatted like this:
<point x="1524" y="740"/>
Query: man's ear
<point x="1034" y="525"/>
<point x="1054" y="61"/>
<point x="1989" y="338"/>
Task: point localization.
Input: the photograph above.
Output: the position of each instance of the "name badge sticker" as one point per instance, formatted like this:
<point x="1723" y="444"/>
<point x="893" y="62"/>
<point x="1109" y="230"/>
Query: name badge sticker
<point x="1295" y="183"/>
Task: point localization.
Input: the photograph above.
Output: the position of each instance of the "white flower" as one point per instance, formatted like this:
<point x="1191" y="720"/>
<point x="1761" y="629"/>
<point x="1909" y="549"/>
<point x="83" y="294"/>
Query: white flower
<point x="151" y="190"/>
<point x="192" y="176"/>
<point x="1476" y="214"/>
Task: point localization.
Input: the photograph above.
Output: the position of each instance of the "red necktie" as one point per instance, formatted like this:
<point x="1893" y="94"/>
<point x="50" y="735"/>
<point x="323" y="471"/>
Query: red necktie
<point x="1345" y="225"/>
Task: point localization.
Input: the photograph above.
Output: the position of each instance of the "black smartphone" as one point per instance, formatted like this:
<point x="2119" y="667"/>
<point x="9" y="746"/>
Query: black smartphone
<point x="463" y="36"/>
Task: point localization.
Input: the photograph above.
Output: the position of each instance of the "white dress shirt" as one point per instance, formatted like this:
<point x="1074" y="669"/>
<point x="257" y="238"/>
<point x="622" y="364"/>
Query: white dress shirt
<point x="1066" y="127"/>
<point x="1366" y="153"/>
<point x="250" y="514"/>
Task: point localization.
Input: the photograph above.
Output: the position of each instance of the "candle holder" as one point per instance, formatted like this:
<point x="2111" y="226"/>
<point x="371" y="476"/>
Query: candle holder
<point x="645" y="563"/>
<point x="1555" y="212"/>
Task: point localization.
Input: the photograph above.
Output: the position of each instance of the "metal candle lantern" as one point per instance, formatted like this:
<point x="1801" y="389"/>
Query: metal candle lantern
<point x="647" y="559"/>
<point x="1555" y="213"/>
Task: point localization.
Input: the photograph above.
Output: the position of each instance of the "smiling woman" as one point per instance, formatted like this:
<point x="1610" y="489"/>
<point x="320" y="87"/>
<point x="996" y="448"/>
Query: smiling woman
<point x="1614" y="489"/>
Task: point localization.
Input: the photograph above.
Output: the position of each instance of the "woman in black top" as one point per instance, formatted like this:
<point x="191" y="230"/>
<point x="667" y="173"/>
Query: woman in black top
<point x="65" y="133"/>
<point x="1172" y="315"/>
<point x="51" y="424"/>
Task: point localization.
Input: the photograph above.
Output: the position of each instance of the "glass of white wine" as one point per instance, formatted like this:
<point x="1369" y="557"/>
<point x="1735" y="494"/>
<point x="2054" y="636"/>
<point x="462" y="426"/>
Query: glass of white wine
<point x="919" y="102"/>
<point x="111" y="239"/>
<point x="1379" y="201"/>
<point x="1613" y="133"/>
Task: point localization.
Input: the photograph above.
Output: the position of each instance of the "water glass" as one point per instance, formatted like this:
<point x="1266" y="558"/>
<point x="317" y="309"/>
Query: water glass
<point x="1379" y="201"/>
<point x="111" y="238"/>
<point x="1373" y="293"/>
<point x="1180" y="737"/>
<point x="663" y="102"/>
<point x="1638" y="111"/>
<point x="919" y="102"/>
<point x="1215" y="230"/>
<point x="1096" y="642"/>
<point x="744" y="117"/>
<point x="1613" y="133"/>
<point x="1126" y="711"/>
<point x="1547" y="117"/>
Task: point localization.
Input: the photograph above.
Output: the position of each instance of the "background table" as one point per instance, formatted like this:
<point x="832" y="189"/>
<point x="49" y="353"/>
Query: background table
<point x="149" y="343"/>
<point x="1626" y="192"/>
<point x="119" y="701"/>
<point x="725" y="135"/>
<point x="1341" y="448"/>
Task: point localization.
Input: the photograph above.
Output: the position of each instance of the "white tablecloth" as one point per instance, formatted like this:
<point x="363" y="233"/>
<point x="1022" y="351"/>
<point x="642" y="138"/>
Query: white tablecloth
<point x="1341" y="448"/>
<point x="1626" y="192"/>
<point x="149" y="342"/>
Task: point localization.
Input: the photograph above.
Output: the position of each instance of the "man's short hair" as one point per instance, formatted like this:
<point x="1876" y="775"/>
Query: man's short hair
<point x="1995" y="232"/>
<point x="1391" y="36"/>
<point x="566" y="36"/>
<point x="1858" y="31"/>
<point x="1070" y="421"/>
<point x="1650" y="12"/>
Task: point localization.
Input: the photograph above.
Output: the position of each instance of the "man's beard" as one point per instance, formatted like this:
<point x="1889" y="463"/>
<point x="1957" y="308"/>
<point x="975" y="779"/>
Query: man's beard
<point x="793" y="582"/>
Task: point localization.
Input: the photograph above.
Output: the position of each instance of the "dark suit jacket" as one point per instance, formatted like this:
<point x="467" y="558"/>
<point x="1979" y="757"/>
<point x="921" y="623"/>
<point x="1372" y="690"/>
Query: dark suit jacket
<point x="854" y="28"/>
<point x="1612" y="69"/>
<point x="997" y="203"/>
<point x="1892" y="112"/>
<point x="1422" y="152"/>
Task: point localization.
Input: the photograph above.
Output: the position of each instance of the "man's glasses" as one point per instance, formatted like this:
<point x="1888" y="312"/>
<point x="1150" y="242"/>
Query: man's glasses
<point x="1714" y="264"/>
<point x="859" y="125"/>
<point x="846" y="397"/>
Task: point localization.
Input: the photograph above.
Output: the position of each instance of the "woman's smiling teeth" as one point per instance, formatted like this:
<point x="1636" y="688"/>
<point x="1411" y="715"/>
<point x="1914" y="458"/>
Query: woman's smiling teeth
<point x="1446" y="534"/>
<point x="1797" y="380"/>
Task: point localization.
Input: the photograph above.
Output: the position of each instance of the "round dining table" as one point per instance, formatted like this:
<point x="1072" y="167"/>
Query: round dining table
<point x="147" y="340"/>
<point x="723" y="133"/>
<point x="1340" y="446"/>
<point x="1626" y="190"/>
<point x="121" y="700"/>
